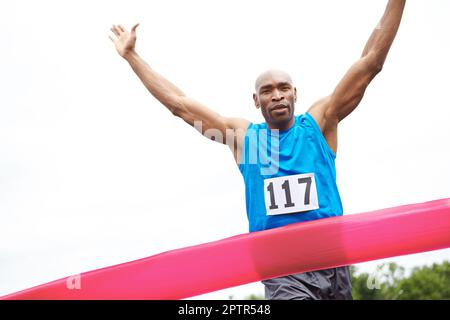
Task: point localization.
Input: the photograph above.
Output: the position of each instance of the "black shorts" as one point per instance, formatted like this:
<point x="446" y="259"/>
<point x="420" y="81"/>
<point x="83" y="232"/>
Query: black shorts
<point x="325" y="284"/>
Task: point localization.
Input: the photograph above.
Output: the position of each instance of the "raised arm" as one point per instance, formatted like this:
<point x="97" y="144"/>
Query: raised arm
<point x="211" y="124"/>
<point x="329" y="111"/>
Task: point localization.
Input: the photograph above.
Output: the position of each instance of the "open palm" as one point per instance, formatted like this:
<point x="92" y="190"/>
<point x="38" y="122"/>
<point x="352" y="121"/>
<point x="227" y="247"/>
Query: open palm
<point x="124" y="41"/>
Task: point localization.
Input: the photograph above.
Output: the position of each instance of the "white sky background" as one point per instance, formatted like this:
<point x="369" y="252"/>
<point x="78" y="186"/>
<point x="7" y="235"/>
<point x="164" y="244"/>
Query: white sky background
<point x="95" y="172"/>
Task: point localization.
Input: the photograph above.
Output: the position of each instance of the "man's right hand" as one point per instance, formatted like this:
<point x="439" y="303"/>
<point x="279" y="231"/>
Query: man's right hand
<point x="211" y="124"/>
<point x="124" y="41"/>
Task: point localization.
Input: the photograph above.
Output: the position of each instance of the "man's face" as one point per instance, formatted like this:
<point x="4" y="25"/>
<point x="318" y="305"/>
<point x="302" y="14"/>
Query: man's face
<point x="276" y="96"/>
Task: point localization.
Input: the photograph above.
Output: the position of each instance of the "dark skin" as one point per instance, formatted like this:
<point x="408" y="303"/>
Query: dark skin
<point x="275" y="93"/>
<point x="332" y="109"/>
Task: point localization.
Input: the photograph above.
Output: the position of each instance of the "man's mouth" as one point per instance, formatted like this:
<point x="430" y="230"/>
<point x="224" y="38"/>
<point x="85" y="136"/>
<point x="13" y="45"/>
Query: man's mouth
<point x="279" y="107"/>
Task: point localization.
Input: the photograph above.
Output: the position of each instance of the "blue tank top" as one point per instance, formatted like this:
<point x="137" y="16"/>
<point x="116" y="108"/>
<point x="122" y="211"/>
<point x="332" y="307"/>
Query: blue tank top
<point x="297" y="155"/>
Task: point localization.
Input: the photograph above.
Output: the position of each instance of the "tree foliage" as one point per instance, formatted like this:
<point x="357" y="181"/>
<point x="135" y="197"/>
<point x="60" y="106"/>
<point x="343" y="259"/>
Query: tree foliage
<point x="390" y="282"/>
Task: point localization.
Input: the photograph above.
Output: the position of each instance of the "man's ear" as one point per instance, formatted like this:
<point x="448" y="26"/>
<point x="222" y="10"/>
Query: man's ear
<point x="295" y="94"/>
<point x="256" y="100"/>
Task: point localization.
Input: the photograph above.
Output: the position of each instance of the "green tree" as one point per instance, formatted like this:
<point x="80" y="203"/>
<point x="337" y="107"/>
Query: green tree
<point x="255" y="297"/>
<point x="388" y="282"/>
<point x="362" y="291"/>
<point x="379" y="285"/>
<point x="427" y="282"/>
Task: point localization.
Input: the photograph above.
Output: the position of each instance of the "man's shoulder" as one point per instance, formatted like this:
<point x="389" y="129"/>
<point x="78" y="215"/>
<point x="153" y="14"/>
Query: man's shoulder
<point x="238" y="123"/>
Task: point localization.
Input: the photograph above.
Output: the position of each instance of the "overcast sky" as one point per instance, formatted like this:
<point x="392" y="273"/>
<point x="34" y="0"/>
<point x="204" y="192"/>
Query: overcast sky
<point x="95" y="172"/>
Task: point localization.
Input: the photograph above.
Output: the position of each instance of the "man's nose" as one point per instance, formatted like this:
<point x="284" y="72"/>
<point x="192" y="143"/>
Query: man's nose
<point x="277" y="95"/>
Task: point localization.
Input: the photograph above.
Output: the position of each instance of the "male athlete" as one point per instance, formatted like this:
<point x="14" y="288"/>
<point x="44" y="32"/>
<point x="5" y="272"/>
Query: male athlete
<point x="292" y="178"/>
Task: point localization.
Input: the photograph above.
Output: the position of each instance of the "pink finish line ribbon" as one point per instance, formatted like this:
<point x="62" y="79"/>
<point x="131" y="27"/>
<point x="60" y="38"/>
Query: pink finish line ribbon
<point x="256" y="256"/>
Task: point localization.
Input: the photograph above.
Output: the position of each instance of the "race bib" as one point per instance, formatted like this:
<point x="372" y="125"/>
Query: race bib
<point x="290" y="194"/>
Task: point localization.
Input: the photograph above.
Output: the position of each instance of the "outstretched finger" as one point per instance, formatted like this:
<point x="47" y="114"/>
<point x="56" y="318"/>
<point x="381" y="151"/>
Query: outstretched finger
<point x="112" y="39"/>
<point x="115" y="30"/>
<point x="133" y="29"/>
<point x="121" y="28"/>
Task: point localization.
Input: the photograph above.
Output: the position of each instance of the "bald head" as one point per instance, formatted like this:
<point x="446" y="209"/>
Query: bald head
<point x="276" y="95"/>
<point x="271" y="75"/>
